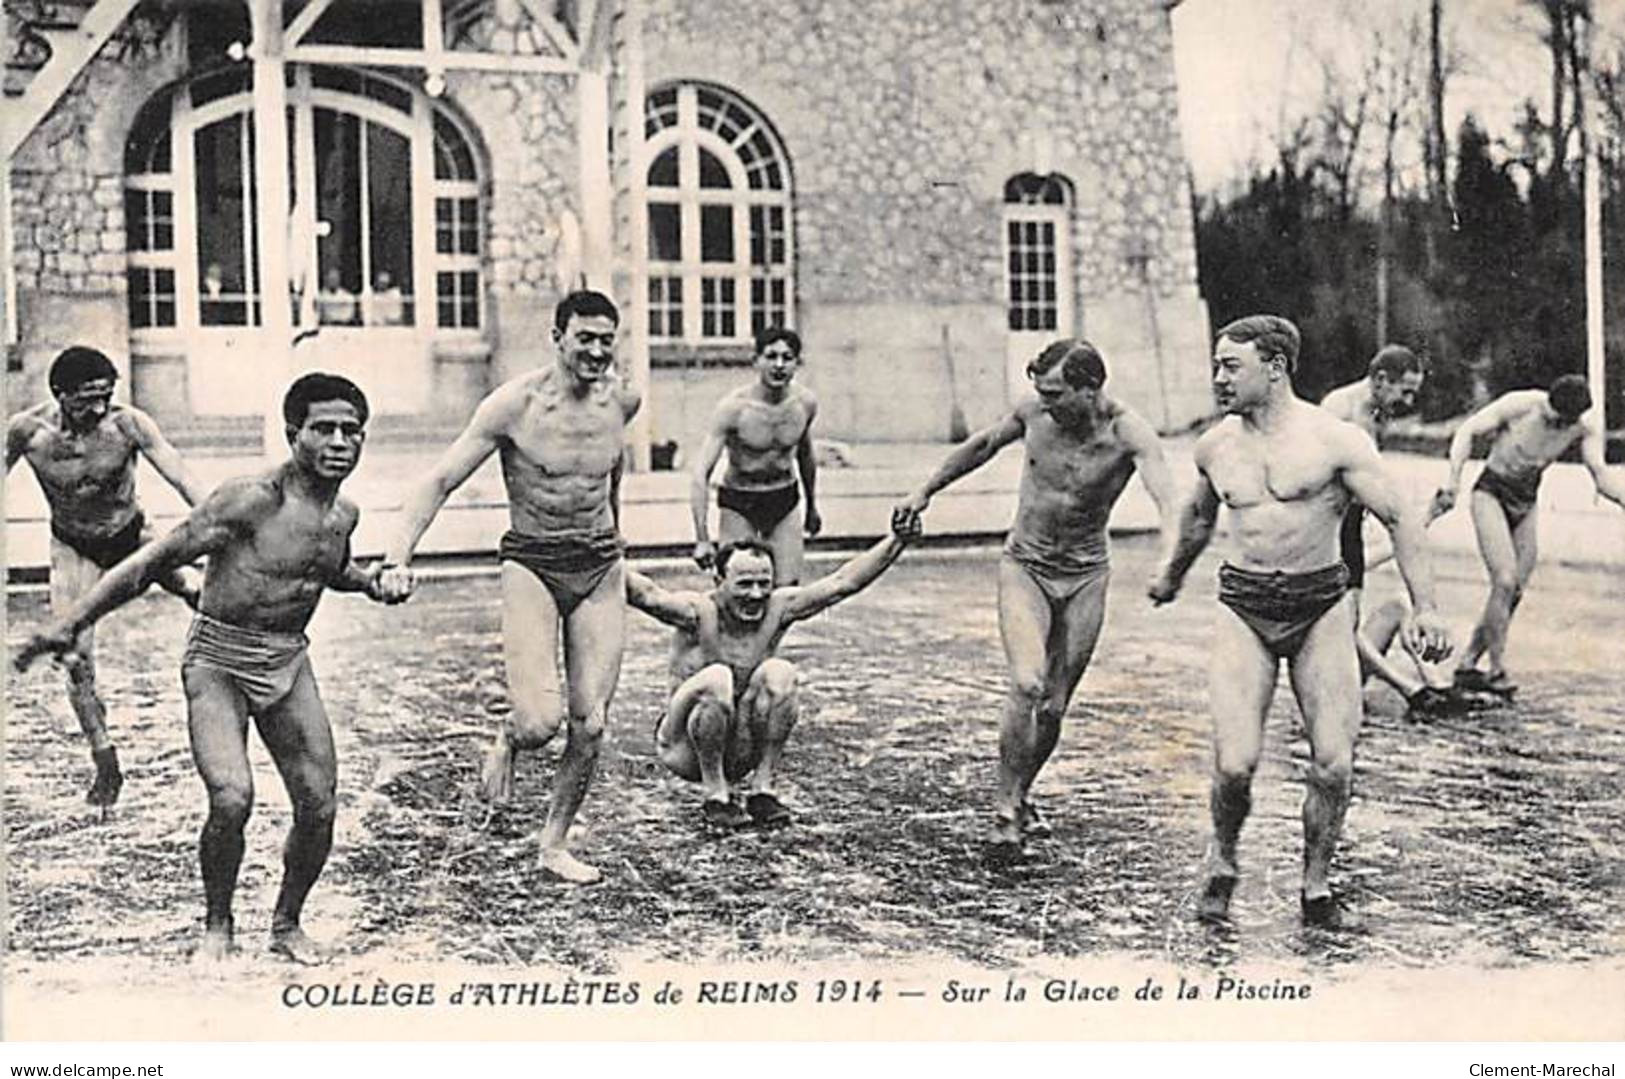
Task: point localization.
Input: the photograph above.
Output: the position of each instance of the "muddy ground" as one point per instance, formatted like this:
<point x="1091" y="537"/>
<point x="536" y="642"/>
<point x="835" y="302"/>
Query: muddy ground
<point x="1497" y="840"/>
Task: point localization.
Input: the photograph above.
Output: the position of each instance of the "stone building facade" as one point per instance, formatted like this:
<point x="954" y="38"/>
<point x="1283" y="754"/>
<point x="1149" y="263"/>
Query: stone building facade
<point x="928" y="192"/>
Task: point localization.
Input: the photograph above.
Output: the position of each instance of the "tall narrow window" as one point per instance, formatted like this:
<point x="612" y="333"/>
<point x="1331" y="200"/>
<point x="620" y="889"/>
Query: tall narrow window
<point x="1037" y="220"/>
<point x="149" y="217"/>
<point x="719" y="215"/>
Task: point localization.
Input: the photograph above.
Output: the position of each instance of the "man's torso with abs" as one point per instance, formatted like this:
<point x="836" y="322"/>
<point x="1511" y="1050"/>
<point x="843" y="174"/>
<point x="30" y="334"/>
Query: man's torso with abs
<point x="1069" y="481"/>
<point x="762" y="437"/>
<point x="712" y="641"/>
<point x="1283" y="488"/>
<point x="271" y="574"/>
<point x="558" y="454"/>
<point x="1528" y="444"/>
<point x="88" y="479"/>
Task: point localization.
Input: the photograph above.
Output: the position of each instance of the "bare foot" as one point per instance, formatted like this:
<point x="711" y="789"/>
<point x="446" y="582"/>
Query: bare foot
<point x="1033" y="822"/>
<point x="496" y="781"/>
<point x="294" y="945"/>
<point x="1214" y="906"/>
<point x="215" y="947"/>
<point x="568" y="868"/>
<point x="109" y="779"/>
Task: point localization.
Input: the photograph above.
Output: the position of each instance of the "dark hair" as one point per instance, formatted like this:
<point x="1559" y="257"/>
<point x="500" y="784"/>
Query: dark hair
<point x="726" y="552"/>
<point x="73" y="367"/>
<point x="1081" y="364"/>
<point x="1271" y="334"/>
<point x="318" y="386"/>
<point x="767" y="335"/>
<point x="1394" y="362"/>
<point x="1569" y="396"/>
<point x="587" y="304"/>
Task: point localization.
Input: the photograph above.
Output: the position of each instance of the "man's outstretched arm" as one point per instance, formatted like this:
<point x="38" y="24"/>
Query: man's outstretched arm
<point x="165" y="458"/>
<point x="1492" y="417"/>
<point x="967" y="457"/>
<point x="673" y="608"/>
<point x="1594" y="453"/>
<point x="852" y="577"/>
<point x="699" y="485"/>
<point x="479" y="440"/>
<point x="1189" y="537"/>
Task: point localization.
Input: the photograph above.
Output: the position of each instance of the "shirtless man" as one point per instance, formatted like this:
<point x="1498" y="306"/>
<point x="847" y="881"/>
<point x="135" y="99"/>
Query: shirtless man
<point x="83" y="448"/>
<point x="1389" y="390"/>
<point x="560" y="432"/>
<point x="733" y="702"/>
<point x="1082" y="446"/>
<point x="1288" y="471"/>
<point x="763" y="426"/>
<point x="274" y="542"/>
<point x="1531" y="430"/>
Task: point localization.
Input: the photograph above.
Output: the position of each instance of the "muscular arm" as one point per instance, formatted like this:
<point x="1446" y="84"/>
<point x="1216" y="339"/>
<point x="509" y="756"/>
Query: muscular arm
<point x="1152" y="465"/>
<point x="479" y="440"/>
<point x="1593" y="452"/>
<point x="1367" y="480"/>
<point x="163" y="455"/>
<point x="853" y="577"/>
<point x="973" y="453"/>
<point x="18" y="431"/>
<point x="1190" y="536"/>
<point x="807" y="466"/>
<point x="1492" y="417"/>
<point x="699" y="489"/>
<point x="673" y="608"/>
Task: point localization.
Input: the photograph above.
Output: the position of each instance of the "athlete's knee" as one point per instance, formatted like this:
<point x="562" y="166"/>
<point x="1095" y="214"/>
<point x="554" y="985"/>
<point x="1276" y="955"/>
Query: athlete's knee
<point x="1234" y="765"/>
<point x="778" y="677"/>
<point x="230" y="804"/>
<point x="1505" y="582"/>
<point x="81" y="667"/>
<point x="532" y="724"/>
<point x="1027" y="687"/>
<point x="1332" y="766"/>
<point x="589" y="725"/>
<point x="715" y="687"/>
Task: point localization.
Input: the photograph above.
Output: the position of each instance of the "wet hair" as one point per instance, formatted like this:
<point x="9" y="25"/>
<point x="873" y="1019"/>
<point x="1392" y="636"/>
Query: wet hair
<point x="1394" y="362"/>
<point x="1569" y="396"/>
<point x="726" y="552"/>
<point x="1272" y="335"/>
<point x="320" y="386"/>
<point x="73" y="367"/>
<point x="768" y="335"/>
<point x="587" y="304"/>
<point x="1081" y="364"/>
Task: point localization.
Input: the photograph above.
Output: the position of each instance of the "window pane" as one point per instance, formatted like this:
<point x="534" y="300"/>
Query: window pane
<point x="223" y="159"/>
<point x="338" y="202"/>
<point x="389" y="218"/>
<point x="445" y="290"/>
<point x="469" y="286"/>
<point x="665" y="232"/>
<point x="713" y="173"/>
<point x="453" y="159"/>
<point x="716" y="234"/>
<point x="663" y="171"/>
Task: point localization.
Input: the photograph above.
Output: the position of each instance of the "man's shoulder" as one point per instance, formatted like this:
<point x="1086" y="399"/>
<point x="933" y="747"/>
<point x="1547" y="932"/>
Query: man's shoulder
<point x="1217" y="435"/>
<point x="247" y="496"/>
<point x="1343" y="401"/>
<point x="31" y="421"/>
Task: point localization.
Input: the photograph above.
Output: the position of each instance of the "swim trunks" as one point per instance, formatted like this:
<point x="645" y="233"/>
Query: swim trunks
<point x="105" y="551"/>
<point x="763" y="509"/>
<point x="1353" y="542"/>
<point x="1281" y="608"/>
<point x="1516" y="493"/>
<point x="263" y="664"/>
<point x="1062" y="572"/>
<point x="569" y="564"/>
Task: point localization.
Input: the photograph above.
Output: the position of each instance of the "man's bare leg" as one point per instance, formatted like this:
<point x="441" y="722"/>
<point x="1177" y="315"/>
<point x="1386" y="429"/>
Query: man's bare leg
<point x="217" y="721"/>
<point x="1500" y="556"/>
<point x="594" y="637"/>
<point x="1072" y="638"/>
<point x="1241" y="682"/>
<point x="1024" y="626"/>
<point x="300" y="739"/>
<point x="530" y="652"/>
<point x="1326" y="680"/>
<point x="772" y="707"/>
<point x="71" y="577"/>
<point x="789" y="548"/>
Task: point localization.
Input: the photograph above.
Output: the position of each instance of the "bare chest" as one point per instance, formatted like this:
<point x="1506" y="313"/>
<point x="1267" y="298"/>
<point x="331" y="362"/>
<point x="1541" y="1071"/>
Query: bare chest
<point x="562" y="437"/>
<point x="763" y="428"/>
<point x="301" y="543"/>
<point x="1530" y="440"/>
<point x="82" y="465"/>
<point x="1074" y="466"/>
<point x="1253" y="471"/>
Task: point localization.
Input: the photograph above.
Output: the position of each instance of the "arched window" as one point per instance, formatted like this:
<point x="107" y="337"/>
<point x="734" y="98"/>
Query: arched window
<point x="719" y="207"/>
<point x="1038" y="257"/>
<point x="383" y="195"/>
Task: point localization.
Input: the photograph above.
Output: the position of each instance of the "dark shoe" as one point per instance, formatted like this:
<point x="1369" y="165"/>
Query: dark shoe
<point x="1431" y="702"/>
<point x="1471" y="678"/>
<point x="1321" y="912"/>
<point x="1499" y="684"/>
<point x="1214" y="906"/>
<point x="720" y="814"/>
<point x="109" y="779"/>
<point x="766" y="810"/>
<point x="1004" y="845"/>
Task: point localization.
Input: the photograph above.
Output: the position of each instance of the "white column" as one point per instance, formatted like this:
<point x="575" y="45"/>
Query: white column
<point x="1591" y="136"/>
<point x="592" y="112"/>
<point x="636" y="318"/>
<point x="271" y="210"/>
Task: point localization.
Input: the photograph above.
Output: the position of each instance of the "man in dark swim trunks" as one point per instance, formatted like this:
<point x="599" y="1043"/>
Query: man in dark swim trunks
<point x="560" y="432"/>
<point x="765" y="427"/>
<point x="83" y="449"/>
<point x="1082" y="446"/>
<point x="1288" y="471"/>
<point x="1531" y="429"/>
<point x="733" y="702"/>
<point x="274" y="542"/>
<point x="1388" y="391"/>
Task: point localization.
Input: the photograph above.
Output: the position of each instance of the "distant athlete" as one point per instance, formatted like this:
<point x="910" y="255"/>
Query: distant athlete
<point x="733" y="702"/>
<point x="274" y="543"/>
<point x="766" y="429"/>
<point x="1081" y="447"/>
<point x="1288" y="471"/>
<point x="83" y="449"/>
<point x="1532" y="429"/>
